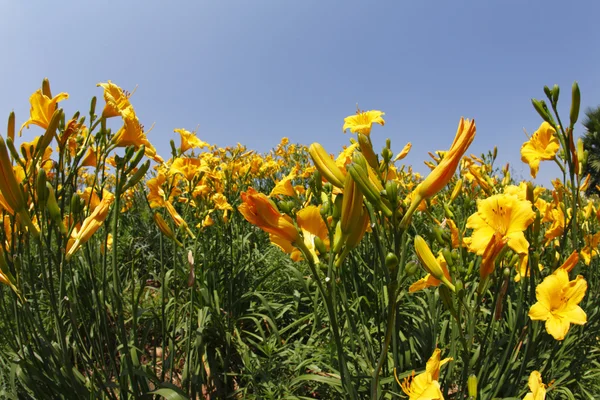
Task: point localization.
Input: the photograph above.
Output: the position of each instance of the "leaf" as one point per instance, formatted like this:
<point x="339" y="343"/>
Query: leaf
<point x="170" y="394"/>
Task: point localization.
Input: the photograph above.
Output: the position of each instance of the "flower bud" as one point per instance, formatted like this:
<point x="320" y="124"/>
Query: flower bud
<point x="326" y="165"/>
<point x="429" y="262"/>
<point x="411" y="268"/>
<point x="54" y="209"/>
<point x="366" y="148"/>
<point x="456" y="190"/>
<point x="447" y="254"/>
<point x="548" y="92"/>
<point x="10" y="130"/>
<point x="542" y="109"/>
<point x="41" y="189"/>
<point x="351" y="205"/>
<point x="472" y="386"/>
<point x="46" y="88"/>
<point x="391" y="190"/>
<point x="76" y="206"/>
<point x="555" y="93"/>
<point x="164" y="228"/>
<point x="575" y="103"/>
<point x="93" y="106"/>
<point x="391" y="261"/>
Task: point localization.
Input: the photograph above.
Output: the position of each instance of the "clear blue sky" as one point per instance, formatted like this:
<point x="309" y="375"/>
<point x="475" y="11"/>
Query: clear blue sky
<point x="254" y="71"/>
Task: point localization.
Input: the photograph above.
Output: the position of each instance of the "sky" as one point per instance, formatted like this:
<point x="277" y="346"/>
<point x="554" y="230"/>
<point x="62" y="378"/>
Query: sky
<point x="254" y="71"/>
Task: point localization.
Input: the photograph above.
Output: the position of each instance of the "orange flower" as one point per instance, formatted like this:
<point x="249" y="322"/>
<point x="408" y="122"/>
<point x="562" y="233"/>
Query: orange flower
<point x="312" y="226"/>
<point x="443" y="172"/>
<point x="260" y="211"/>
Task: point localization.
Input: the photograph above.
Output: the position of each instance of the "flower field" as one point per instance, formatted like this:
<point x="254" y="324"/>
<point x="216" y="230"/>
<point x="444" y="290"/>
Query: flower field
<point x="302" y="273"/>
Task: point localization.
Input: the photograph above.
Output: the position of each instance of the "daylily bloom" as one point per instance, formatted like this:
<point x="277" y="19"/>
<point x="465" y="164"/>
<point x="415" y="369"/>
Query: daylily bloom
<point x="557" y="304"/>
<point x="504" y="214"/>
<point x="260" y="211"/>
<point x="425" y="386"/>
<point x="542" y="145"/>
<point x="188" y="167"/>
<point x="570" y="262"/>
<point x="537" y="387"/>
<point x="591" y="247"/>
<point x="189" y="140"/>
<point x="89" y="226"/>
<point x="312" y="226"/>
<point x="523" y="269"/>
<point x="132" y="134"/>
<point x="42" y="109"/>
<point x="362" y="121"/>
<point x="429" y="280"/>
<point x="116" y="99"/>
<point x="557" y="216"/>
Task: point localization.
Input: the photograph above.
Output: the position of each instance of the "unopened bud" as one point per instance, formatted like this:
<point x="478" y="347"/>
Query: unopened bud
<point x="41" y="189"/>
<point x="366" y="148"/>
<point x="391" y="261"/>
<point x="411" y="268"/>
<point x="46" y="88"/>
<point x="542" y="109"/>
<point x="555" y="93"/>
<point x="429" y="262"/>
<point x="575" y="103"/>
<point x="472" y="386"/>
<point x="10" y="130"/>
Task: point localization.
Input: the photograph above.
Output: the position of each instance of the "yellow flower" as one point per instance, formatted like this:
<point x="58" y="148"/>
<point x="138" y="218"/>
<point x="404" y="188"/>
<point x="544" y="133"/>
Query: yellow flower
<point x="430" y="264"/>
<point x="429" y="280"/>
<point x="90" y="225"/>
<point x="537" y="387"/>
<point x="132" y="134"/>
<point x="188" y="167"/>
<point x="116" y="99"/>
<point x="189" y="140"/>
<point x="425" y="386"/>
<point x="362" y="121"/>
<point x="542" y="145"/>
<point x="591" y="248"/>
<point x="501" y="213"/>
<point x="404" y="152"/>
<point x="558" y="224"/>
<point x="523" y="267"/>
<point x="557" y="304"/>
<point x="42" y="108"/>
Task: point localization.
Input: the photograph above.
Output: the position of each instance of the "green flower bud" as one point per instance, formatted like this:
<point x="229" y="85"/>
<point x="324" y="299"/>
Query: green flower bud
<point x="575" y="103"/>
<point x="391" y="261"/>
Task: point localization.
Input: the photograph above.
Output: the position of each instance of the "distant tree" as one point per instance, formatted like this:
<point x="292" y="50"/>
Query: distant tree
<point x="591" y="143"/>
